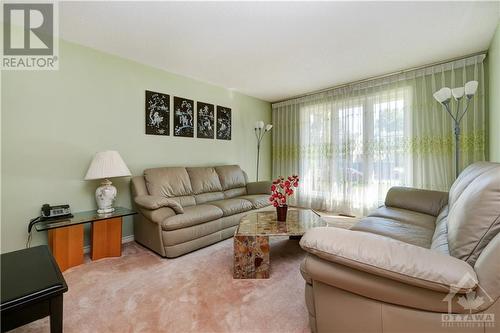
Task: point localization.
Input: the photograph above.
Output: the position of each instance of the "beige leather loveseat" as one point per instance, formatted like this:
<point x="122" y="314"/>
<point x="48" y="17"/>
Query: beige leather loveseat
<point x="404" y="268"/>
<point x="184" y="209"/>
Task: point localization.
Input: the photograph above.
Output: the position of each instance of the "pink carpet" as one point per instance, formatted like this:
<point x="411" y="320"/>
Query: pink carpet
<point x="142" y="292"/>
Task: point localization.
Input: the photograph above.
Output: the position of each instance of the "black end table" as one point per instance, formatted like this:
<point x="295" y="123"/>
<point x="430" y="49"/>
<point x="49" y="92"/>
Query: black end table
<point x="32" y="288"/>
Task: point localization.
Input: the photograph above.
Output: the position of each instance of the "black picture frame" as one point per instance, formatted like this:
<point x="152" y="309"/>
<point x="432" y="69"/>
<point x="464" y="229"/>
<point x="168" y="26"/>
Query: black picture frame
<point x="223" y="123"/>
<point x="157" y="113"/>
<point x="205" y="120"/>
<point x="183" y="117"/>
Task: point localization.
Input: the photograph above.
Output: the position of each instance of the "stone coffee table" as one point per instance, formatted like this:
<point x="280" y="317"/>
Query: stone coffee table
<point x="251" y="239"/>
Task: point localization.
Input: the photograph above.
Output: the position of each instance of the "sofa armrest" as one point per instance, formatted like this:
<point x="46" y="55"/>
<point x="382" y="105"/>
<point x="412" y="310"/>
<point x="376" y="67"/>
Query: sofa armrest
<point x="390" y="258"/>
<point x="422" y="201"/>
<point x="263" y="187"/>
<point x="158" y="215"/>
<point x="152" y="202"/>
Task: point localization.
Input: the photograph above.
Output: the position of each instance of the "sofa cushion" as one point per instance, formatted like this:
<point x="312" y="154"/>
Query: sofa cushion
<point x="474" y="210"/>
<point x="235" y="192"/>
<point x="263" y="187"/>
<point x="231" y="176"/>
<point x="405" y="232"/>
<point x="418" y="200"/>
<point x="387" y="258"/>
<point x="232" y="206"/>
<point x="184" y="201"/>
<point x="257" y="200"/>
<point x="440" y="237"/>
<point x="168" y="182"/>
<point x="193" y="215"/>
<point x="207" y="197"/>
<point x="204" y="180"/>
<point x="406" y="216"/>
<point x="179" y="236"/>
<point x="466" y="177"/>
<point x="487" y="267"/>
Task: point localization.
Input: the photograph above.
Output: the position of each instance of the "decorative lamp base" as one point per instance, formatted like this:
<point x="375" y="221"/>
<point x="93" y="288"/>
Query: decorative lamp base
<point x="104" y="196"/>
<point x="105" y="211"/>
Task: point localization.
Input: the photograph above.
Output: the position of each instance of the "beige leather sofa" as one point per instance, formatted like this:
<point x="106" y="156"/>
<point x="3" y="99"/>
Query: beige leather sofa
<point x="184" y="209"/>
<point x="405" y="267"/>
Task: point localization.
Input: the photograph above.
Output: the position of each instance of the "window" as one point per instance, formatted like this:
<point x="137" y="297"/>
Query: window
<point x="353" y="150"/>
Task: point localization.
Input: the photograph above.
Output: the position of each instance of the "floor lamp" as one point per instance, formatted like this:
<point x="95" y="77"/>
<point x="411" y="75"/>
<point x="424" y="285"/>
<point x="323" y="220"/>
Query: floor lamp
<point x="443" y="96"/>
<point x="260" y="131"/>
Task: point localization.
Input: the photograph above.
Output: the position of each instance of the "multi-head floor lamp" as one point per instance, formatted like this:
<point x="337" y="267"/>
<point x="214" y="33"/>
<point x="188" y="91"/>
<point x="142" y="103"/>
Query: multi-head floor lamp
<point x="443" y="96"/>
<point x="260" y="131"/>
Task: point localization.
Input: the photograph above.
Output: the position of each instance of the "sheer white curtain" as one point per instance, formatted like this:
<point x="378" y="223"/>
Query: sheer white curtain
<point x="350" y="145"/>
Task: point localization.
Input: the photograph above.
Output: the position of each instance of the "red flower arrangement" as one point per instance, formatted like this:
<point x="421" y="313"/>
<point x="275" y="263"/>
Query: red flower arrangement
<point x="282" y="188"/>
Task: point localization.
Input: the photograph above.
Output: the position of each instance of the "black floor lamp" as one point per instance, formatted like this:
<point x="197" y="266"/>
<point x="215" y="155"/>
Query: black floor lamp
<point x="260" y="131"/>
<point x="443" y="96"/>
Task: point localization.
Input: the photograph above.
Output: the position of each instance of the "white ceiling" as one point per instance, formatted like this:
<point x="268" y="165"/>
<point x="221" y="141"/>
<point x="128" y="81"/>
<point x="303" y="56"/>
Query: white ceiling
<point x="276" y="50"/>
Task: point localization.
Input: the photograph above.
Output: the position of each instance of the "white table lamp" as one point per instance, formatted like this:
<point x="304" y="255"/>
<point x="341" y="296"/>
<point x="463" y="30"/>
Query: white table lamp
<point x="105" y="165"/>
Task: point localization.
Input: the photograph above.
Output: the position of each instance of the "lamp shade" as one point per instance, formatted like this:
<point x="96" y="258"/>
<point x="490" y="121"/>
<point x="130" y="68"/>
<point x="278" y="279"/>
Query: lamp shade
<point x="458" y="92"/>
<point x="443" y="95"/>
<point x="268" y="127"/>
<point x="107" y="164"/>
<point x="259" y="124"/>
<point x="470" y="88"/>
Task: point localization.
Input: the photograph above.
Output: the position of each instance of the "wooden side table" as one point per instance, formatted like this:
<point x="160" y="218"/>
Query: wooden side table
<point x="66" y="236"/>
<point x="66" y="244"/>
<point x="106" y="238"/>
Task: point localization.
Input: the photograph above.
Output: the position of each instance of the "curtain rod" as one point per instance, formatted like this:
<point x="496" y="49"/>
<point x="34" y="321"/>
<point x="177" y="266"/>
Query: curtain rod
<point x="382" y="76"/>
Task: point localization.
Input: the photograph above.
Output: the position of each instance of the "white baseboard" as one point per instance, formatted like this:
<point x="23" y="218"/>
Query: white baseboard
<point x="126" y="239"/>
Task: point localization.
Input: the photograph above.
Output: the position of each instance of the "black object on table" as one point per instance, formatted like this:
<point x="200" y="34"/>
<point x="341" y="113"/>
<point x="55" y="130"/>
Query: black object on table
<point x="32" y="288"/>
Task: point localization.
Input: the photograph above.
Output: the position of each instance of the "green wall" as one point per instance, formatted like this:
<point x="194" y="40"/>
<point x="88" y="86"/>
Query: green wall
<point x="494" y="96"/>
<point x="54" y="121"/>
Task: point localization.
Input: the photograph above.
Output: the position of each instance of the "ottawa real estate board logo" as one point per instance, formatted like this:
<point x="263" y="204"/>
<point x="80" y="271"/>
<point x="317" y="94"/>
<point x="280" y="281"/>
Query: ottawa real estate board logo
<point x="30" y="36"/>
<point x="472" y="302"/>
